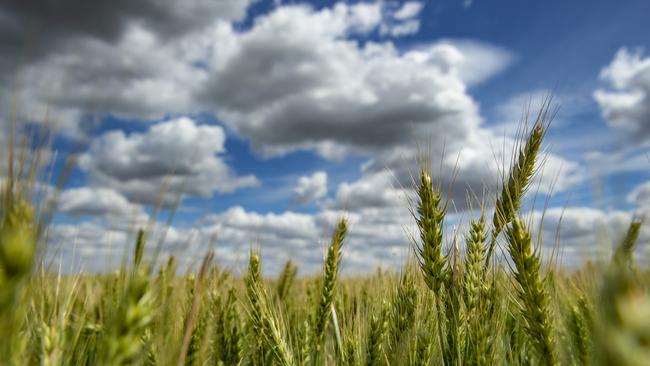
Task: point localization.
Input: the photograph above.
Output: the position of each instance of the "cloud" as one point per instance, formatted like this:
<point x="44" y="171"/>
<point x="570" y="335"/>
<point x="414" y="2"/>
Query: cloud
<point x="310" y="188"/>
<point x="626" y="103"/>
<point x="364" y="17"/>
<point x="96" y="202"/>
<point x="278" y="235"/>
<point x="100" y="245"/>
<point x="294" y="81"/>
<point x="112" y="57"/>
<point x="61" y="21"/>
<point x="627" y="160"/>
<point x="136" y="77"/>
<point x="640" y="196"/>
<point x="401" y="21"/>
<point x="125" y="63"/>
<point x="173" y="157"/>
<point x="134" y="60"/>
<point x="303" y="237"/>
<point x="297" y="81"/>
<point x="278" y="226"/>
<point x="293" y="65"/>
<point x="409" y="10"/>
<point x="401" y="29"/>
<point x="480" y="60"/>
<point x="586" y="233"/>
<point x="476" y="167"/>
<point x="87" y="245"/>
<point x="373" y="190"/>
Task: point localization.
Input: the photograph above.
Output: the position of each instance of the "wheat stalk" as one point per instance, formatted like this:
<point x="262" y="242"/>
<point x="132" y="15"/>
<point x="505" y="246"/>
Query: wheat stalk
<point x="287" y="277"/>
<point x="135" y="313"/>
<point x="376" y="337"/>
<point x="264" y="320"/>
<point x="531" y="291"/>
<point x="429" y="215"/>
<point x="226" y="340"/>
<point x="521" y="173"/>
<point x="403" y="308"/>
<point x="623" y="255"/>
<point x="330" y="272"/>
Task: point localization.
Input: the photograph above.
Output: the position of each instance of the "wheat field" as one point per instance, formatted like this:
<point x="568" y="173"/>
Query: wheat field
<point x="446" y="306"/>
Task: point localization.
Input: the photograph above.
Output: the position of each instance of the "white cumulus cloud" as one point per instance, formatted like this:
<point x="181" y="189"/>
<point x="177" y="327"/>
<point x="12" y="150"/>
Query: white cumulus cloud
<point x="171" y="158"/>
<point x="626" y="104"/>
<point x="96" y="202"/>
<point x="311" y="188"/>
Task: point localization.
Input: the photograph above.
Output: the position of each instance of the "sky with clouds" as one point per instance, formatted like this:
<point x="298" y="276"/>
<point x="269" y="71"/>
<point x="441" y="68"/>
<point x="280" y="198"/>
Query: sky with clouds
<point x="263" y="122"/>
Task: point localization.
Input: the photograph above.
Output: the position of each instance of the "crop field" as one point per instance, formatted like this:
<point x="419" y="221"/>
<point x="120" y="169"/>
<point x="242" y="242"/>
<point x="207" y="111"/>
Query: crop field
<point x="324" y="183"/>
<point x="485" y="298"/>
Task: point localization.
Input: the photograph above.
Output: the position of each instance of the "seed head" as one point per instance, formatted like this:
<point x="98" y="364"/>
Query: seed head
<point x="17" y="239"/>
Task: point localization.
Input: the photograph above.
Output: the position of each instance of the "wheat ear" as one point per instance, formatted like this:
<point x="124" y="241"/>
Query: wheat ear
<point x="429" y="215"/>
<point x="330" y="272"/>
<point x="287" y="277"/>
<point x="532" y="292"/>
<point x="264" y="320"/>
<point x="376" y="336"/>
<point x="521" y="172"/>
<point x="623" y="254"/>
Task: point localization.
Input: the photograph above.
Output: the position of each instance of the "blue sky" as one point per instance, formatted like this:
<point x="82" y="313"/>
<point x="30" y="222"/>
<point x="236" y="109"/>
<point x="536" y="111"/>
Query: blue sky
<point x="267" y="120"/>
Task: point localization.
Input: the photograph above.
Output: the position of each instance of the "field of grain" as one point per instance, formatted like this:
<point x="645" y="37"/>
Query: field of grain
<point x="447" y="306"/>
